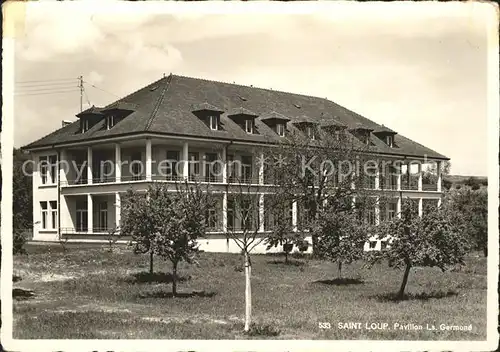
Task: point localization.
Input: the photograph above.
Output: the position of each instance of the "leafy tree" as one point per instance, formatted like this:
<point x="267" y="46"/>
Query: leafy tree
<point x="22" y="207"/>
<point x="167" y="223"/>
<point x="311" y="170"/>
<point x="433" y="240"/>
<point x="470" y="209"/>
<point x="280" y="224"/>
<point x="341" y="237"/>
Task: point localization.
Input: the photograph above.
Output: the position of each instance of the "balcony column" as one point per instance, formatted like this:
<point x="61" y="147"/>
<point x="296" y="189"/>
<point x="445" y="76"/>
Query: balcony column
<point x="398" y="207"/>
<point x="377" y="211"/>
<point x="185" y="158"/>
<point x="90" y="214"/>
<point x="224" y="165"/>
<point x="420" y="206"/>
<point x="148" y="159"/>
<point x="294" y="215"/>
<point x="118" y="212"/>
<point x="420" y="176"/>
<point x="439" y="176"/>
<point x="89" y="165"/>
<point x="377" y="178"/>
<point x="63" y="168"/>
<point x="261" y="169"/>
<point x="118" y="163"/>
<point x="398" y="179"/>
<point x="261" y="212"/>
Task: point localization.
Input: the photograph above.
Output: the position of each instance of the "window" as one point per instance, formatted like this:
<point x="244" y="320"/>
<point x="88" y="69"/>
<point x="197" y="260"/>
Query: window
<point x="246" y="169"/>
<point x="373" y="244"/>
<point x="102" y="219"/>
<point x="311" y="132"/>
<point x="230" y="214"/>
<point x="173" y="157"/>
<point x="212" y="219"/>
<point x="48" y="169"/>
<point x="211" y="167"/>
<point x="136" y="162"/>
<point x="371" y="217"/>
<point x="53" y="168"/>
<point x="44" y="169"/>
<point x="85" y="125"/>
<point x="390" y="141"/>
<point x="231" y="171"/>
<point x="81" y="216"/>
<point x="110" y="121"/>
<point x="280" y="129"/>
<point x="391" y="213"/>
<point x="213" y="121"/>
<point x="53" y="214"/>
<point x="249" y="126"/>
<point x="194" y="165"/>
<point x="45" y="214"/>
<point x="246" y="214"/>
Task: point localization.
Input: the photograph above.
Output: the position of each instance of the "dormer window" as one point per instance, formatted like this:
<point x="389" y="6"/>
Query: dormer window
<point x="85" y="125"/>
<point x="249" y="126"/>
<point x="280" y="129"/>
<point x="311" y="132"/>
<point x="386" y="135"/>
<point x="390" y="141"/>
<point x="213" y="122"/>
<point x="110" y="121"/>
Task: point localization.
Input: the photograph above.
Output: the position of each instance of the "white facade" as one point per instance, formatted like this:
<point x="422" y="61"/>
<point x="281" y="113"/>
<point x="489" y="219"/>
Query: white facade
<point x="85" y="208"/>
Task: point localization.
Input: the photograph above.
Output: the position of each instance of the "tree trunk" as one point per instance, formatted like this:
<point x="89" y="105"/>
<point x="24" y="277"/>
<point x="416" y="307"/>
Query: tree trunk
<point x="340" y="269"/>
<point x="485" y="250"/>
<point x="286" y="257"/>
<point x="151" y="262"/>
<point x="405" y="280"/>
<point x="174" y="279"/>
<point x="248" y="292"/>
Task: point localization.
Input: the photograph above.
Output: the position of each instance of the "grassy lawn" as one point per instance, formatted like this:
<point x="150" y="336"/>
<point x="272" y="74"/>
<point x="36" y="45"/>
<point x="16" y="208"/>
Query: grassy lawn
<point x="87" y="292"/>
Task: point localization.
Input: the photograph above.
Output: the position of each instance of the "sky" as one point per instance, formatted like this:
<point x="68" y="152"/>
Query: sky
<point x="421" y="72"/>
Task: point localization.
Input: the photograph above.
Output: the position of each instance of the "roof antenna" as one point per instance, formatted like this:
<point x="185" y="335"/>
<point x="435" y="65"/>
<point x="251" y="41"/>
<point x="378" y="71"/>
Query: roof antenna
<point x="163" y="74"/>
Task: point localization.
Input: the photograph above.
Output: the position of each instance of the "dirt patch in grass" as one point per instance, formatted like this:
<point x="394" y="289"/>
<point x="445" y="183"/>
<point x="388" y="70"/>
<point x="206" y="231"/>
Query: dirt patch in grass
<point x="340" y="281"/>
<point x="423" y="296"/>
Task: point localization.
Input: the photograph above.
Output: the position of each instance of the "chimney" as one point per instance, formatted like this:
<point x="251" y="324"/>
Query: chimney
<point x="66" y="123"/>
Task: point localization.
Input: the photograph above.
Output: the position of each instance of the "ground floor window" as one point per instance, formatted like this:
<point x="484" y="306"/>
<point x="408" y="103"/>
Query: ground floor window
<point x="45" y="210"/>
<point x="102" y="218"/>
<point x="81" y="217"/>
<point x="391" y="211"/>
<point x="53" y="214"/>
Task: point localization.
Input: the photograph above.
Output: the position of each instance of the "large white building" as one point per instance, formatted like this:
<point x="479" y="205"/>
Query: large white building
<point x="180" y="118"/>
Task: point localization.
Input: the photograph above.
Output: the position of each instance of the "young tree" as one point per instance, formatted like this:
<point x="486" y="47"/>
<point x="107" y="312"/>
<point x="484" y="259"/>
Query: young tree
<point x="168" y="222"/>
<point x="137" y="222"/>
<point x="433" y="240"/>
<point x="244" y="202"/>
<point x="342" y="235"/>
<point x="279" y="223"/>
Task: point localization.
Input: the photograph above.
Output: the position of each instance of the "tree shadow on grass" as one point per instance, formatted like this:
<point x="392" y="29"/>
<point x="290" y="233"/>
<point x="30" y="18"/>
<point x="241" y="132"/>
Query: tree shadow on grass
<point x="163" y="294"/>
<point x="16" y="278"/>
<point x="423" y="296"/>
<point x="147" y="278"/>
<point x="344" y="281"/>
<point x="290" y="262"/>
<point x="22" y="294"/>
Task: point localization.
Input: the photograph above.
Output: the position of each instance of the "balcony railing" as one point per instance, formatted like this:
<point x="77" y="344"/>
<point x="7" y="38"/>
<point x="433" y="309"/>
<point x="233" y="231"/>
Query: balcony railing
<point x="84" y="230"/>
